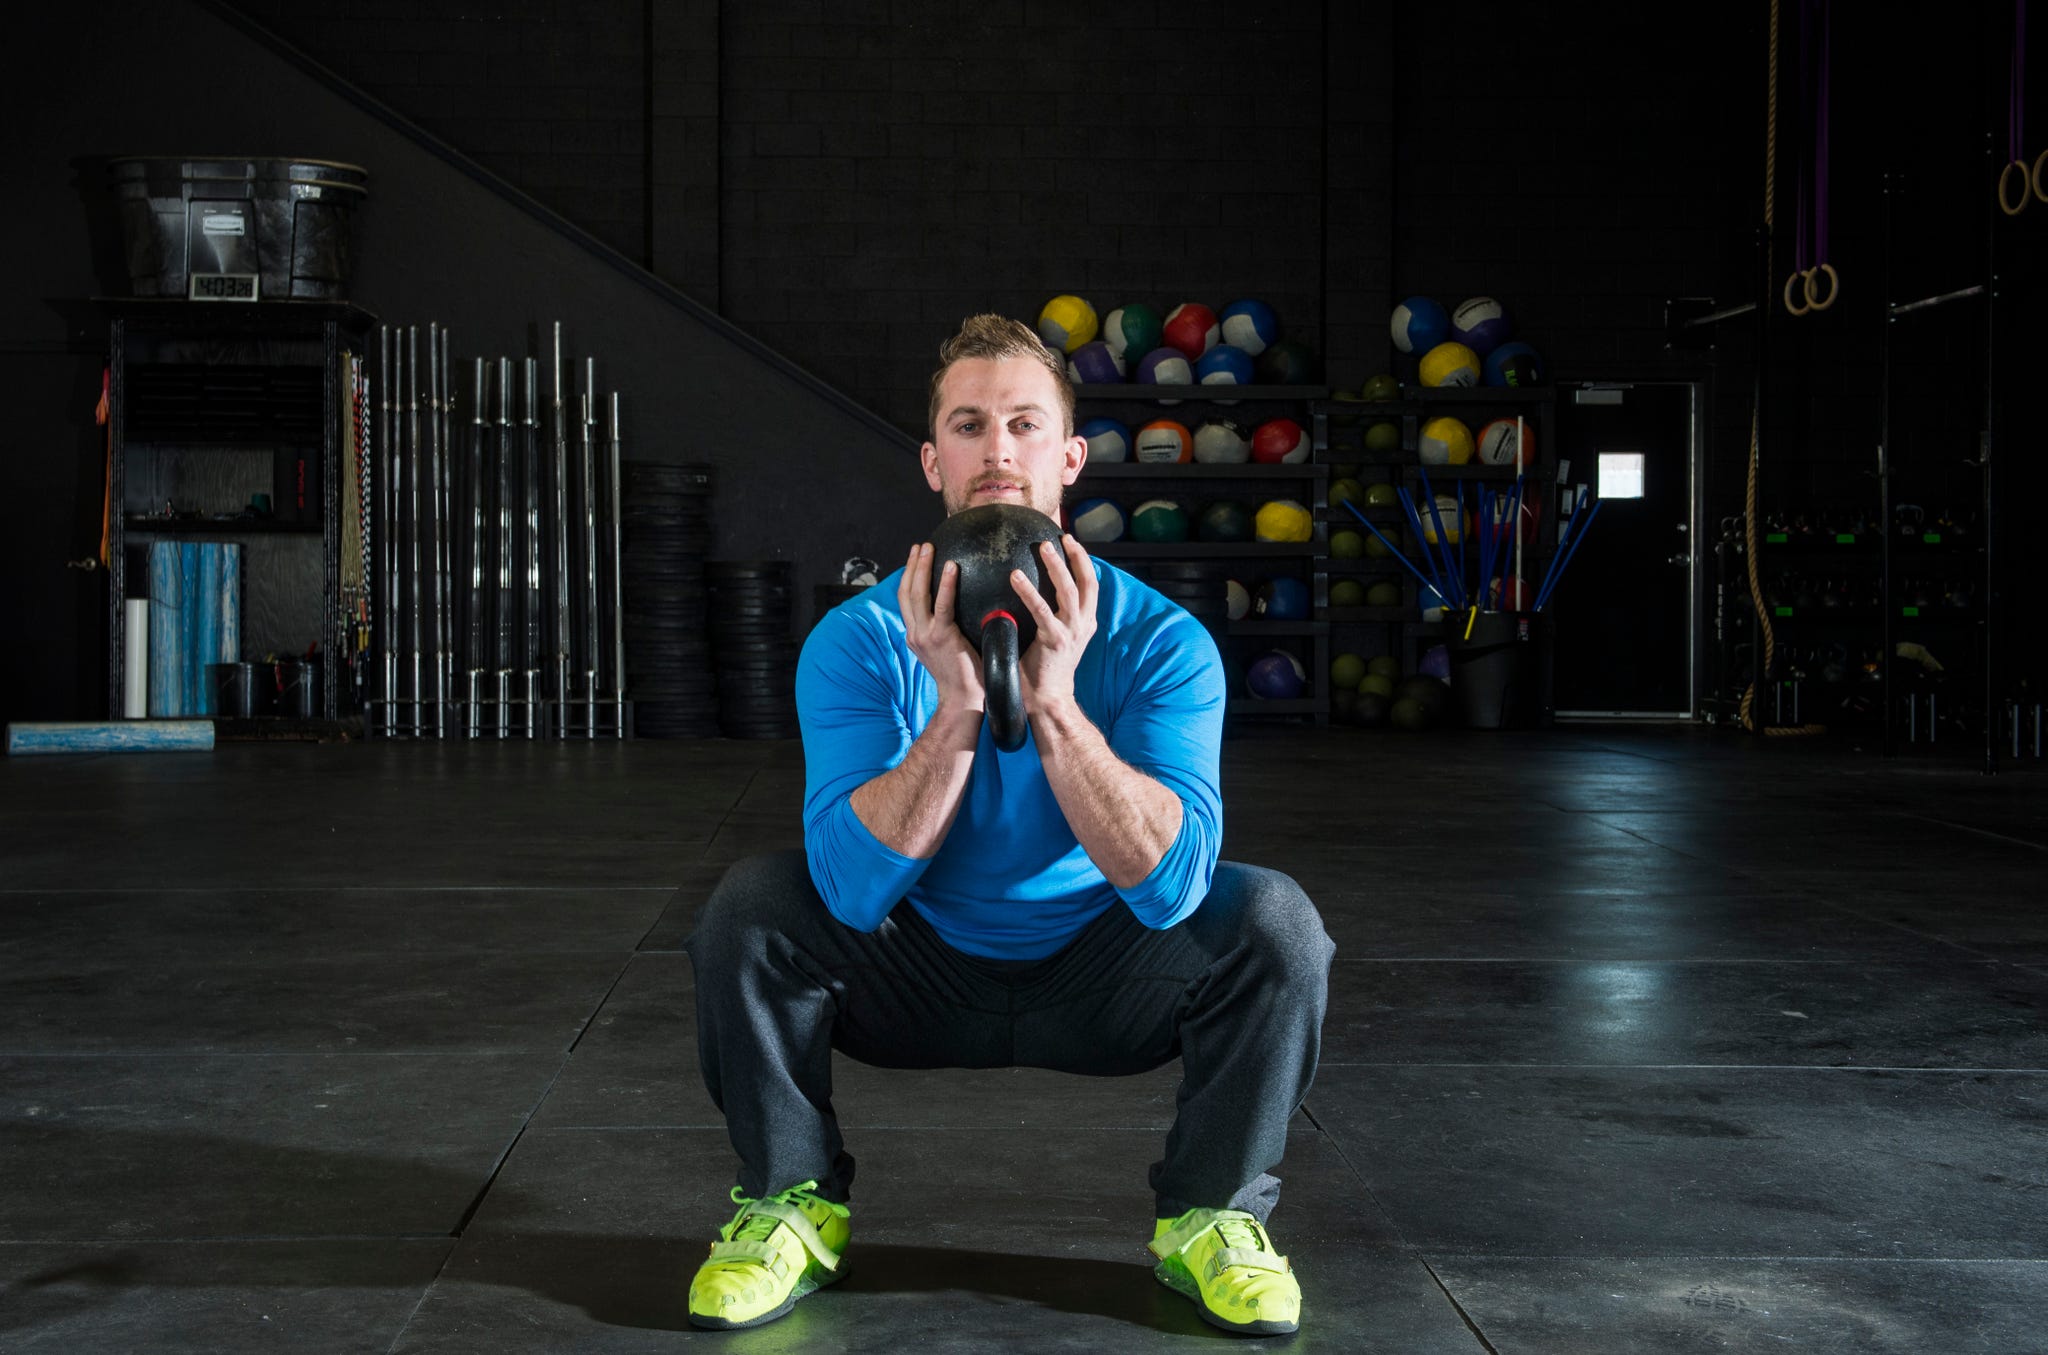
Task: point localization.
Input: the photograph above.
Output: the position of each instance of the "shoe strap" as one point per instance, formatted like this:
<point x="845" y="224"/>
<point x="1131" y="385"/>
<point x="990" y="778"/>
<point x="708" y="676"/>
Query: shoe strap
<point x="759" y="1252"/>
<point x="1224" y="1259"/>
<point x="1190" y="1226"/>
<point x="792" y="1218"/>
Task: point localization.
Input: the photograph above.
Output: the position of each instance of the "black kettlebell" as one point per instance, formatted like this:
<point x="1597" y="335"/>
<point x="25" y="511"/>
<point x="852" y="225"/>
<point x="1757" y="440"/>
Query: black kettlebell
<point x="987" y="543"/>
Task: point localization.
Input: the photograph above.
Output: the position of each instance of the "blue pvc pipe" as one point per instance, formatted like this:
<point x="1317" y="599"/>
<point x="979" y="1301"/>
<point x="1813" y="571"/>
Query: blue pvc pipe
<point x="1389" y="545"/>
<point x="117" y="736"/>
<point x="1443" y="543"/>
<point x="1564" y="560"/>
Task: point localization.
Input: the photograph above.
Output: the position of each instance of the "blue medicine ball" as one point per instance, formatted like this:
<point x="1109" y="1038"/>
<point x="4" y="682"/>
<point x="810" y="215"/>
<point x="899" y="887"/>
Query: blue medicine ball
<point x="1224" y="365"/>
<point x="1096" y="521"/>
<point x="1513" y="364"/>
<point x="1249" y="325"/>
<point x="1419" y="324"/>
<point x="1282" y="599"/>
<point x="1107" y="439"/>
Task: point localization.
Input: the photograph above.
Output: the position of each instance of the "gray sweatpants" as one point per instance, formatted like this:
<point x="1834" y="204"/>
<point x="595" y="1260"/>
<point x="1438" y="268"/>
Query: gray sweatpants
<point x="1236" y="992"/>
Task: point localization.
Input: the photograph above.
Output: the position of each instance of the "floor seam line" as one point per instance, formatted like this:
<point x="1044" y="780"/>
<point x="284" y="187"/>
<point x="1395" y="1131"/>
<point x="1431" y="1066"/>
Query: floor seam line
<point x="1458" y="1307"/>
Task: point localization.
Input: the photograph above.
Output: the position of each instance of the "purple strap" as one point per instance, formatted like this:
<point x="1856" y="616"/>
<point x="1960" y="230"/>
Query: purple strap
<point x="1801" y="221"/>
<point x="1820" y="180"/>
<point x="2016" y="124"/>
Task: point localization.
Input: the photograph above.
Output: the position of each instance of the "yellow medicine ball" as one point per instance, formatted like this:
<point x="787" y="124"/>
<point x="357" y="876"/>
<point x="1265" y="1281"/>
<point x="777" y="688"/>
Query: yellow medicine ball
<point x="1450" y="364"/>
<point x="1066" y="323"/>
<point x="1283" y="520"/>
<point x="1444" y="441"/>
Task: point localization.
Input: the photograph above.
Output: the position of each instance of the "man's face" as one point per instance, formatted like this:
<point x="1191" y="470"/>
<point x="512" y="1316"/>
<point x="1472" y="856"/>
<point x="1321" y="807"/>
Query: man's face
<point x="999" y="438"/>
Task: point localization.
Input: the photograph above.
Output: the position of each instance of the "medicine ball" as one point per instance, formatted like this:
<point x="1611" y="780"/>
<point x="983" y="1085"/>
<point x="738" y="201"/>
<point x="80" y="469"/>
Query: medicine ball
<point x="1164" y="440"/>
<point x="1066" y="323"/>
<point x="1191" y="327"/>
<point x="1220" y="442"/>
<point x="1450" y="364"/>
<point x="1249" y="325"/>
<point x="1093" y="364"/>
<point x="1107" y="439"/>
<point x="1418" y="325"/>
<point x="1096" y="522"/>
<point x="1481" y="324"/>
<point x="1132" y="330"/>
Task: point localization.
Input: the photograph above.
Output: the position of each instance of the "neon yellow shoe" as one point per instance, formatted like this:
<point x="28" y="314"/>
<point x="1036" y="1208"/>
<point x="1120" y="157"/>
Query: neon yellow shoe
<point x="776" y="1250"/>
<point x="1224" y="1260"/>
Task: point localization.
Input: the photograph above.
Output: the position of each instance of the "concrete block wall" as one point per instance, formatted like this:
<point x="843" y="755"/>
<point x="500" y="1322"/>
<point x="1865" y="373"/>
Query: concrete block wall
<point x="552" y="97"/>
<point x="845" y="181"/>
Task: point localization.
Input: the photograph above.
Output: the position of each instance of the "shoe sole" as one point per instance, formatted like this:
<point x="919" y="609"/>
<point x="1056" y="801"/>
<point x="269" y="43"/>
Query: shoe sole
<point x="809" y="1283"/>
<point x="1180" y="1282"/>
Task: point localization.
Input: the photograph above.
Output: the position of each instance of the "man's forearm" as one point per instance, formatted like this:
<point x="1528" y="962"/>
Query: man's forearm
<point x="910" y="807"/>
<point x="1123" y="818"/>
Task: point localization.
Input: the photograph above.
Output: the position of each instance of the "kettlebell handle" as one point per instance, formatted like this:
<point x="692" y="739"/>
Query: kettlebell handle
<point x="999" y="684"/>
<point x="989" y="545"/>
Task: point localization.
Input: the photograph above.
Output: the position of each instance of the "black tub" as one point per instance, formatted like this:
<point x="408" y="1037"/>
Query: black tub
<point x="238" y="228"/>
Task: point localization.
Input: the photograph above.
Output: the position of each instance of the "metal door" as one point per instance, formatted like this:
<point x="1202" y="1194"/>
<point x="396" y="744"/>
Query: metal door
<point x="1626" y="608"/>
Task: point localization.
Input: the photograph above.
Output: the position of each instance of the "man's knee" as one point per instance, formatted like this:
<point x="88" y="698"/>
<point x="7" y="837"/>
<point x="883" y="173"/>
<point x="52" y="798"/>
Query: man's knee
<point x="1274" y="918"/>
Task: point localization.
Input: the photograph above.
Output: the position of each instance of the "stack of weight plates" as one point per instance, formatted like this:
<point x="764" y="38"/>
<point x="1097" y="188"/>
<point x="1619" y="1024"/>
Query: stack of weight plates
<point x="752" y="650"/>
<point x="665" y="533"/>
<point x="1200" y="586"/>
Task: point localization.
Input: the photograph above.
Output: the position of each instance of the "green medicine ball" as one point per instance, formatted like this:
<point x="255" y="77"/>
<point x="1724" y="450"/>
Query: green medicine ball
<point x="1159" y="520"/>
<point x="1346" y="544"/>
<point x="1383" y="594"/>
<point x="1384" y="665"/>
<point x="1347" y="593"/>
<point x="1408" y="714"/>
<point x="1383" y="437"/>
<point x="1225" y="520"/>
<point x="1382" y="495"/>
<point x="1345" y="672"/>
<point x="1377" y="685"/>
<point x="1346" y="491"/>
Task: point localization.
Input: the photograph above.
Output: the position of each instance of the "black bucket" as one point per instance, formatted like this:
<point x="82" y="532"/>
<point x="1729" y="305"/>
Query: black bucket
<point x="197" y="226"/>
<point x="297" y="683"/>
<point x="1487" y="668"/>
<point x="238" y="689"/>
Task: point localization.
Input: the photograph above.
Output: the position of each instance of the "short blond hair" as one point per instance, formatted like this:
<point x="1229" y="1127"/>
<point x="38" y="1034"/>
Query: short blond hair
<point x="997" y="337"/>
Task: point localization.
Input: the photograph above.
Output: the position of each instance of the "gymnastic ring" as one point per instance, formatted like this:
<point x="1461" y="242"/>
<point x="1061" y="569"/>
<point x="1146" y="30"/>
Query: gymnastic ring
<point x="2005" y="205"/>
<point x="1814" y="303"/>
<point x="1789" y="307"/>
<point x="2040" y="163"/>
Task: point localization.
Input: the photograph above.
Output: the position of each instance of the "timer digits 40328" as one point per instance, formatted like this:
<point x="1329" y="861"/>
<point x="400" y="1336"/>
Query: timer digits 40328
<point x="223" y="287"/>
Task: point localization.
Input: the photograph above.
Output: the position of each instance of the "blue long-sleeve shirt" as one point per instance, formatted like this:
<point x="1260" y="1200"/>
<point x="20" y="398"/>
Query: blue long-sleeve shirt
<point x="1010" y="880"/>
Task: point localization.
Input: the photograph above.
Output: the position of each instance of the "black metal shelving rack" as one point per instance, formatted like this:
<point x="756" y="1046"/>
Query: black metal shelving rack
<point x="1537" y="406"/>
<point x="1311" y="478"/>
<point x="196" y="335"/>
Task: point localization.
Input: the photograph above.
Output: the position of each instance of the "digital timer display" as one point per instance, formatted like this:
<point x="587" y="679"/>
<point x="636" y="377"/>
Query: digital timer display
<point x="223" y="287"/>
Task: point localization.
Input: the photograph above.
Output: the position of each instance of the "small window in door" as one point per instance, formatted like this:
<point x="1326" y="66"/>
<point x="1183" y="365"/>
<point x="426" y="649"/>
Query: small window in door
<point x="1621" y="475"/>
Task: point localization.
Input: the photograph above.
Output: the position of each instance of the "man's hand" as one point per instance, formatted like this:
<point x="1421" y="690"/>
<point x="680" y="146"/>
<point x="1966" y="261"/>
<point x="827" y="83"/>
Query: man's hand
<point x="934" y="637"/>
<point x="1047" y="667"/>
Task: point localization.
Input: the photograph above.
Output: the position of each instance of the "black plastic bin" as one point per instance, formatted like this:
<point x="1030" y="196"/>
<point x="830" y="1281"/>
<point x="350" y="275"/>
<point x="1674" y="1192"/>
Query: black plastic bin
<point x="198" y="226"/>
<point x="1489" y="669"/>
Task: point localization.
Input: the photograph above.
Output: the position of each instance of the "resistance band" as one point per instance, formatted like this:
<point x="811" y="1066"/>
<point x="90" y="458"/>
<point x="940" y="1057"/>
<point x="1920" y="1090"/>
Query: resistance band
<point x="2030" y="184"/>
<point x="1810" y="239"/>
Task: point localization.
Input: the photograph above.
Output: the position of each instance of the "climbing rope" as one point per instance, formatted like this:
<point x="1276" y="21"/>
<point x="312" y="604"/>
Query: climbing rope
<point x="1749" y="516"/>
